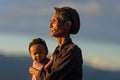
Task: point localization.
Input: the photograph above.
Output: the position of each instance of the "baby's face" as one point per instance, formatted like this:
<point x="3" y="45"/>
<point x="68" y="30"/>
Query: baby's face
<point x="38" y="52"/>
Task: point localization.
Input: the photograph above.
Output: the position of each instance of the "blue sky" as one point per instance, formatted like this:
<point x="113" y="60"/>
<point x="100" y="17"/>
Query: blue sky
<point x="99" y="36"/>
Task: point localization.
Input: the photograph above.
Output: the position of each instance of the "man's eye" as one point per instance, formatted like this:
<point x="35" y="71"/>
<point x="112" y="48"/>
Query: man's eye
<point x="54" y="20"/>
<point x="40" y="52"/>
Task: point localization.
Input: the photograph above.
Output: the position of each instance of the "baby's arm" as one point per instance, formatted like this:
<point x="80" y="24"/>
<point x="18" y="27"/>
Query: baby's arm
<point x="49" y="64"/>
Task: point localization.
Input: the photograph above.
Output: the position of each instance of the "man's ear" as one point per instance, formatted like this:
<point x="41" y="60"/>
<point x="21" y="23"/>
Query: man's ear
<point x="68" y="24"/>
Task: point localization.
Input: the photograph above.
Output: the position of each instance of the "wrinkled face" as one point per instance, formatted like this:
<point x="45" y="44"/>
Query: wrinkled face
<point x="57" y="29"/>
<point x="38" y="52"/>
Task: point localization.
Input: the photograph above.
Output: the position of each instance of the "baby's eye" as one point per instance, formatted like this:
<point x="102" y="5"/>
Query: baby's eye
<point x="38" y="53"/>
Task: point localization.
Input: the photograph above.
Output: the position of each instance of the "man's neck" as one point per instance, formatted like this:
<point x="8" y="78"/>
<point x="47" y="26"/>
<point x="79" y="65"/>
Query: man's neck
<point x="61" y="40"/>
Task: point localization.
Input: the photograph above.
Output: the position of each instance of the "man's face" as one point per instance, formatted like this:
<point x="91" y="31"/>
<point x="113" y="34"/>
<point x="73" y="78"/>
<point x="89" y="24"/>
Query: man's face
<point x="56" y="27"/>
<point x="38" y="52"/>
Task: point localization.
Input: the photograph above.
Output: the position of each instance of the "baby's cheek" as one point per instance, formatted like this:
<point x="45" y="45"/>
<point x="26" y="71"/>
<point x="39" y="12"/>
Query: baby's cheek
<point x="33" y="58"/>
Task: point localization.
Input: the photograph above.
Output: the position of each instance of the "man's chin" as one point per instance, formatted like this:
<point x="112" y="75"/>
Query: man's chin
<point x="54" y="35"/>
<point x="51" y="35"/>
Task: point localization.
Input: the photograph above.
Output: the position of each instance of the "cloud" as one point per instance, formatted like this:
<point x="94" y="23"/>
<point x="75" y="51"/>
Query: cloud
<point x="26" y="16"/>
<point x="90" y="8"/>
<point x="99" y="63"/>
<point x="116" y="9"/>
<point x="105" y="64"/>
<point x="15" y="17"/>
<point x="94" y="7"/>
<point x="14" y="11"/>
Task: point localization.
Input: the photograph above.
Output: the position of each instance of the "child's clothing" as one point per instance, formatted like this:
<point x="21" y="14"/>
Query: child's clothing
<point x="38" y="66"/>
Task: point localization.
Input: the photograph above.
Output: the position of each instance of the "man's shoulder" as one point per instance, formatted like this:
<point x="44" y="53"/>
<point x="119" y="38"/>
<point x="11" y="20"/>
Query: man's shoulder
<point x="72" y="47"/>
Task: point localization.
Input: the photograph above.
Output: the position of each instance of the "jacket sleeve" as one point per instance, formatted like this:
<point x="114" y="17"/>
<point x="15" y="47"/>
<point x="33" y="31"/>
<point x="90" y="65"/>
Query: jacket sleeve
<point x="64" y="64"/>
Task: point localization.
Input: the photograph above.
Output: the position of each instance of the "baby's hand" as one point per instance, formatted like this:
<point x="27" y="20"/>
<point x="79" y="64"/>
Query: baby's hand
<point x="33" y="71"/>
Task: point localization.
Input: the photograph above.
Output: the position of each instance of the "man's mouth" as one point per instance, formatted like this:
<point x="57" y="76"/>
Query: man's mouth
<point x="52" y="30"/>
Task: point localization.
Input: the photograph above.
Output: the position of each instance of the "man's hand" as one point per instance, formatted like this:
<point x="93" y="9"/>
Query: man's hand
<point x="49" y="64"/>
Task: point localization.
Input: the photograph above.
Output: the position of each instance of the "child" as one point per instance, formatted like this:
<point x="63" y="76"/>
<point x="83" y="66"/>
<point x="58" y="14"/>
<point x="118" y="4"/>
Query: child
<point x="38" y="51"/>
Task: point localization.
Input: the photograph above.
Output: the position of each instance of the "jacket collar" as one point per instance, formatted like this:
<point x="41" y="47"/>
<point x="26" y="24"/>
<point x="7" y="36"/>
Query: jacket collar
<point x="69" y="41"/>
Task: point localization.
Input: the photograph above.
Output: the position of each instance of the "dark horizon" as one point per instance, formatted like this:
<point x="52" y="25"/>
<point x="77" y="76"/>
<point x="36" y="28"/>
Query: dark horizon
<point x="16" y="68"/>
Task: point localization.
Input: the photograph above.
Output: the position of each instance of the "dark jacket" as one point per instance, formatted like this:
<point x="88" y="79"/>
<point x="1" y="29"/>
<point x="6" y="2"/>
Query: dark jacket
<point x="67" y="64"/>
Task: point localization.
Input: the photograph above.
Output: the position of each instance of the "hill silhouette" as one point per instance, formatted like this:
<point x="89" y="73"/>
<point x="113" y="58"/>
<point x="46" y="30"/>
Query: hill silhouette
<point x="16" y="68"/>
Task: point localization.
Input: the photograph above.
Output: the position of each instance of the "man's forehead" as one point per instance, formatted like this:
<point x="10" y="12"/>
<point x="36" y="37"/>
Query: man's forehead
<point x="55" y="15"/>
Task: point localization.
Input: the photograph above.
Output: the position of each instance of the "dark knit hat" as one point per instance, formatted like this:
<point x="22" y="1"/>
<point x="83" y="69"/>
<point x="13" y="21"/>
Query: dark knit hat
<point x="38" y="41"/>
<point x="73" y="16"/>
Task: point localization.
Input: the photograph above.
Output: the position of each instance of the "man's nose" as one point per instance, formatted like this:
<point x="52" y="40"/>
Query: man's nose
<point x="50" y="26"/>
